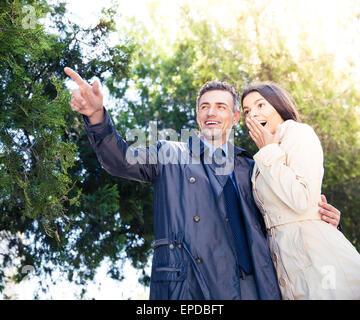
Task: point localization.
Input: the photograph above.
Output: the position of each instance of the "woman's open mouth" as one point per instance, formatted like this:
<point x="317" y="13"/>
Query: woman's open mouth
<point x="263" y="123"/>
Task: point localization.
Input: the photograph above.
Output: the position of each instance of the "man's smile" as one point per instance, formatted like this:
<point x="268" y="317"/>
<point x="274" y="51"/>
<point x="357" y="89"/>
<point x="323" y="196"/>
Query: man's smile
<point x="211" y="123"/>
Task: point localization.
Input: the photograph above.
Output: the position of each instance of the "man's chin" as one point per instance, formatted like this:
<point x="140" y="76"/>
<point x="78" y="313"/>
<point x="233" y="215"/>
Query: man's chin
<point x="211" y="135"/>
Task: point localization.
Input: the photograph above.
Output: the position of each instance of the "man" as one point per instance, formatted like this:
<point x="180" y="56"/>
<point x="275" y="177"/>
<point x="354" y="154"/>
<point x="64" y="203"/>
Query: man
<point x="210" y="241"/>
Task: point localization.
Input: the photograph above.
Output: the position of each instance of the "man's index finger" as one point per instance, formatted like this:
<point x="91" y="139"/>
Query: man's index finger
<point x="73" y="75"/>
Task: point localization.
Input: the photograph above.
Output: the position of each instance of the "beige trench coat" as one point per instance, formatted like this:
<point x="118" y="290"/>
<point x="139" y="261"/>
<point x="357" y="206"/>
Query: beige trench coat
<point x="312" y="258"/>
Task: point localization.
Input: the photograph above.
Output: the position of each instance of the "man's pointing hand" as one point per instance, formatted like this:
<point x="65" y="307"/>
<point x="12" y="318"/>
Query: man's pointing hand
<point x="87" y="99"/>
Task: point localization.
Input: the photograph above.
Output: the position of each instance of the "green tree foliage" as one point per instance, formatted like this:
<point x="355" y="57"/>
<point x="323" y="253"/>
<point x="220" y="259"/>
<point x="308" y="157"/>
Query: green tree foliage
<point x="53" y="190"/>
<point x="48" y="205"/>
<point x="32" y="121"/>
<point x="168" y="76"/>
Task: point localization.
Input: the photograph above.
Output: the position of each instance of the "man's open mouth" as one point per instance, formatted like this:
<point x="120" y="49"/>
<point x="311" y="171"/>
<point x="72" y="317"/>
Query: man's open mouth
<point x="211" y="123"/>
<point x="263" y="123"/>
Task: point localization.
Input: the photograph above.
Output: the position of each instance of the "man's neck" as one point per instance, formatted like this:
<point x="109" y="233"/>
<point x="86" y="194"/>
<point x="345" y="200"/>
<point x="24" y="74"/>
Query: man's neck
<point x="212" y="147"/>
<point x="215" y="143"/>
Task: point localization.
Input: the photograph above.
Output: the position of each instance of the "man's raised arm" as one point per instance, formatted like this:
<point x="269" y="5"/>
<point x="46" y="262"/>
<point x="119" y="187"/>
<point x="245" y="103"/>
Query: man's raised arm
<point x="112" y="151"/>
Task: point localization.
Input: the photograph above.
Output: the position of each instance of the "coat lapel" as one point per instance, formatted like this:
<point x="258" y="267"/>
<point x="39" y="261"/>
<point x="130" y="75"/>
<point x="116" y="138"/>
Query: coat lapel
<point x="218" y="175"/>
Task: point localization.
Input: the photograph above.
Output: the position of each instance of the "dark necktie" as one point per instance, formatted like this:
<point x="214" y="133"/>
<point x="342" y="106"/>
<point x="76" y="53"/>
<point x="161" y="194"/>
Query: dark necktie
<point x="234" y="213"/>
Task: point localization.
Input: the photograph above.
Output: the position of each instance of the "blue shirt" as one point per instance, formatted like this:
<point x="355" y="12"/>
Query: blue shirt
<point x="224" y="147"/>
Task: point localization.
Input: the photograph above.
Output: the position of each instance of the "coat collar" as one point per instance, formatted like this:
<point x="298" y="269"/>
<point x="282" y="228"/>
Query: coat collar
<point x="197" y="148"/>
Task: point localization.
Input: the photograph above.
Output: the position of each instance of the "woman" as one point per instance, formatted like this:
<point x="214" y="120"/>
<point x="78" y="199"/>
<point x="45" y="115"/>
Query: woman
<point x="312" y="258"/>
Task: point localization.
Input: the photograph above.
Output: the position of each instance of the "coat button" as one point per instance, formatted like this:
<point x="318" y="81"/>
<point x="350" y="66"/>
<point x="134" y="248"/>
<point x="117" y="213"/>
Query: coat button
<point x="282" y="282"/>
<point x="171" y="246"/>
<point x="198" y="260"/>
<point x="196" y="218"/>
<point x="192" y="180"/>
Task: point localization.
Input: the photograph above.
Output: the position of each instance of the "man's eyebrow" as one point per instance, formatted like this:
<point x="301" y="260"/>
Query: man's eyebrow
<point x="215" y="103"/>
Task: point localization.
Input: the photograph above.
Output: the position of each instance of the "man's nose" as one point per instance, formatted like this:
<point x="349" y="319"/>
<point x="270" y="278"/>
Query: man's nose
<point x="211" y="111"/>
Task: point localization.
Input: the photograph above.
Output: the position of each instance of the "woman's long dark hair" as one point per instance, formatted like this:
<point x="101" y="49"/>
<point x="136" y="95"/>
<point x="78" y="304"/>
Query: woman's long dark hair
<point x="277" y="96"/>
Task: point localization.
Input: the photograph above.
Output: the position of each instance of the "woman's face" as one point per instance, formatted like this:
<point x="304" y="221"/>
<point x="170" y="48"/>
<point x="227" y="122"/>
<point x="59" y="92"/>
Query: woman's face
<point x="257" y="107"/>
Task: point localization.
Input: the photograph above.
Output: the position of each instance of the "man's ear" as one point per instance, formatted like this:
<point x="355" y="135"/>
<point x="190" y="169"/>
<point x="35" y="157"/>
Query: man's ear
<point x="237" y="116"/>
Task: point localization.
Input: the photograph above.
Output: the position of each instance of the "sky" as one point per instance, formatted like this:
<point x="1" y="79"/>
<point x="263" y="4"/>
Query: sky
<point x="323" y="25"/>
<point x="103" y="288"/>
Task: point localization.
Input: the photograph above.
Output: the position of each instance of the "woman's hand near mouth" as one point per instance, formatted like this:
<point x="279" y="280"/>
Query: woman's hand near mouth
<point x="261" y="135"/>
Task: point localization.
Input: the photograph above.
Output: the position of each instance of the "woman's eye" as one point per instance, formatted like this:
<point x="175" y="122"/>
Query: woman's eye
<point x="261" y="105"/>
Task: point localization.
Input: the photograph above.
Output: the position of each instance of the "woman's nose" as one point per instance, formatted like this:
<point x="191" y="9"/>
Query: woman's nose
<point x="253" y="112"/>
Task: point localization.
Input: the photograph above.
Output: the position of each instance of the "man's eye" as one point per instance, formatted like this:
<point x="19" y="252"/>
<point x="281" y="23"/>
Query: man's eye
<point x="261" y="105"/>
<point x="246" y="112"/>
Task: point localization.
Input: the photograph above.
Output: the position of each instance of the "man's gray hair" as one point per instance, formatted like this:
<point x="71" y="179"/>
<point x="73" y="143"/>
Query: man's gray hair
<point x="219" y="85"/>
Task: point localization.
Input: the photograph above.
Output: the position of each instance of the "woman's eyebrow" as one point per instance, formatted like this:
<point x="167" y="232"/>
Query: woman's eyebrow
<point x="257" y="100"/>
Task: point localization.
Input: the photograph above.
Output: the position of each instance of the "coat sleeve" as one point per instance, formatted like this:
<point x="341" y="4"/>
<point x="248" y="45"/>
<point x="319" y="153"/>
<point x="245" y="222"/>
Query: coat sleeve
<point x="295" y="175"/>
<point x="117" y="157"/>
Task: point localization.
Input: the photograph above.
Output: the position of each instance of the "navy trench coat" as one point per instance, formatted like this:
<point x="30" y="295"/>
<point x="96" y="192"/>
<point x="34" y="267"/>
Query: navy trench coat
<point x="194" y="254"/>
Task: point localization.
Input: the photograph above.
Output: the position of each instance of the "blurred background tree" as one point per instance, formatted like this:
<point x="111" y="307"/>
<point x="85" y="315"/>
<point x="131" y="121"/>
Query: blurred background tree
<point x="50" y="182"/>
<point x="60" y="209"/>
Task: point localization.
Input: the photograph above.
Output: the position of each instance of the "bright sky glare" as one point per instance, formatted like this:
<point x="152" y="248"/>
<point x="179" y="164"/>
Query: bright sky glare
<point x="324" y="25"/>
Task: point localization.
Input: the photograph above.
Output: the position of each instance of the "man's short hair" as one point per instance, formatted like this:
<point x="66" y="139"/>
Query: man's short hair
<point x="219" y="85"/>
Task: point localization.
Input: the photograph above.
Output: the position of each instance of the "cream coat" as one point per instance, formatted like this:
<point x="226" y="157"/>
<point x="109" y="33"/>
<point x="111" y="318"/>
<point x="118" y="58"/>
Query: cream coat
<point x="312" y="258"/>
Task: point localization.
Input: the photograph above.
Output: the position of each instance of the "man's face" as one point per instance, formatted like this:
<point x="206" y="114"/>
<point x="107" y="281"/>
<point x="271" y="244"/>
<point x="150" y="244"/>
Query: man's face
<point x="216" y="116"/>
